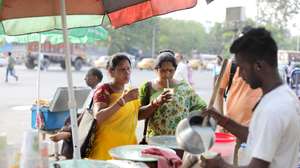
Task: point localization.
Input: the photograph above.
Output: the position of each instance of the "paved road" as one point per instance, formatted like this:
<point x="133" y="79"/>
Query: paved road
<point x="17" y="97"/>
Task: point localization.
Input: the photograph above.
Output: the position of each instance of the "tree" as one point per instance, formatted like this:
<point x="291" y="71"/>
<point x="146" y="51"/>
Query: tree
<point x="277" y="11"/>
<point x="181" y="36"/>
<point x="137" y="35"/>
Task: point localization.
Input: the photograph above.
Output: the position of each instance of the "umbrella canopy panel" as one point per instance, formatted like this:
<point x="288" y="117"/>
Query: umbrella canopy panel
<point x="80" y="35"/>
<point x="16" y="15"/>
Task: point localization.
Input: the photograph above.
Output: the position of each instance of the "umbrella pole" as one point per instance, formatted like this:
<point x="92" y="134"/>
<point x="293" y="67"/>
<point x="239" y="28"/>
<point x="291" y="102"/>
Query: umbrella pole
<point x="38" y="113"/>
<point x="72" y="103"/>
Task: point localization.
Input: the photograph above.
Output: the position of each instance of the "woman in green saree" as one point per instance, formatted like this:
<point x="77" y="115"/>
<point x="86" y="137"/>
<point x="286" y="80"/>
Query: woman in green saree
<point x="184" y="99"/>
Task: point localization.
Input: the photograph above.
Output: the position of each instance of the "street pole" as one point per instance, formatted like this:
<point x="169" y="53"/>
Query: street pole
<point x="71" y="96"/>
<point x="298" y="39"/>
<point x="153" y="40"/>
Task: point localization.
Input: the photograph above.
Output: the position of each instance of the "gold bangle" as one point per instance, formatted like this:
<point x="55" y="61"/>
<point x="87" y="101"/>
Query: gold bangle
<point x="119" y="103"/>
<point x="123" y="101"/>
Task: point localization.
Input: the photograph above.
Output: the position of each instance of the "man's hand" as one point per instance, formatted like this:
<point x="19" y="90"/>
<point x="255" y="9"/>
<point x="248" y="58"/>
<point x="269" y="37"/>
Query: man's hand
<point x="216" y="162"/>
<point x="212" y="112"/>
<point x="132" y="94"/>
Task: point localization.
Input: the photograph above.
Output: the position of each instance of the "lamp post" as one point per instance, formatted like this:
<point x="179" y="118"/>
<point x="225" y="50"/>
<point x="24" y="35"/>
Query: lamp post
<point x="153" y="40"/>
<point x="298" y="39"/>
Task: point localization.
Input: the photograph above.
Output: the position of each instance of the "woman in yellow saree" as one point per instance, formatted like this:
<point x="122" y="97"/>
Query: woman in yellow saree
<point x="118" y="110"/>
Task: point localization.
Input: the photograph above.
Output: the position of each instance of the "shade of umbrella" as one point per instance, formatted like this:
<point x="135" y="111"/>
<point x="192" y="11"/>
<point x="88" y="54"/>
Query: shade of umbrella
<point x="80" y="35"/>
<point x="17" y="18"/>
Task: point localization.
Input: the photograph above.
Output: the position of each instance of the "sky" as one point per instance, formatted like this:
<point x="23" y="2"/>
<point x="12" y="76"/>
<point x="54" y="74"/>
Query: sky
<point x="216" y="11"/>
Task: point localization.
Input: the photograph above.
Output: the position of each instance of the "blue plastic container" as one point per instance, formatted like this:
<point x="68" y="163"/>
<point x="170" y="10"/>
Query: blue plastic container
<point x="52" y="120"/>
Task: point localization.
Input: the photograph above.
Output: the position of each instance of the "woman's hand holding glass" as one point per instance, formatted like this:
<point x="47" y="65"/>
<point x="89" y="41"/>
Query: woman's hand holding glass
<point x="132" y="94"/>
<point x="164" y="97"/>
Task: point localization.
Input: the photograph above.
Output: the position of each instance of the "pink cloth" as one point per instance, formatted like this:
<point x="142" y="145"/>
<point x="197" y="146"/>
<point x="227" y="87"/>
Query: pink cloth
<point x="167" y="159"/>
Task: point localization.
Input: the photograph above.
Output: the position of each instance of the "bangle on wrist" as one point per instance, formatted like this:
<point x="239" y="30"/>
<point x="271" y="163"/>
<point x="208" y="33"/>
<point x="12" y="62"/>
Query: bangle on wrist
<point x="122" y="103"/>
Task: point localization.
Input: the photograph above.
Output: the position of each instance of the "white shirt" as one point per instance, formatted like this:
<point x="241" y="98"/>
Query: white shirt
<point x="90" y="96"/>
<point x="181" y="72"/>
<point x="274" y="132"/>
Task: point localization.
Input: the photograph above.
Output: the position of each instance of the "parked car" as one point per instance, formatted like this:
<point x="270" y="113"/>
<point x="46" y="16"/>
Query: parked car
<point x="101" y="62"/>
<point x="146" y="63"/>
<point x="195" y="64"/>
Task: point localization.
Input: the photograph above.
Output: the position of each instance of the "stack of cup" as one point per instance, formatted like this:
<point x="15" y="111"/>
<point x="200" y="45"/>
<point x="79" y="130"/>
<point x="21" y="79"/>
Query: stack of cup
<point x="30" y="157"/>
<point x="44" y="154"/>
<point x="14" y="155"/>
<point x="3" y="151"/>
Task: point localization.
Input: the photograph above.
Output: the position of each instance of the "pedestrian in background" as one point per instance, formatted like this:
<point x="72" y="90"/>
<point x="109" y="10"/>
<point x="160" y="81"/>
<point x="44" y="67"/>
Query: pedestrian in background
<point x="182" y="73"/>
<point x="11" y="67"/>
<point x="217" y="68"/>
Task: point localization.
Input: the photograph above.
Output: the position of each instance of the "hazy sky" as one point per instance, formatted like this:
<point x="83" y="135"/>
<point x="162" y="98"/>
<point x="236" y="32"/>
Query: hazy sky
<point x="216" y="11"/>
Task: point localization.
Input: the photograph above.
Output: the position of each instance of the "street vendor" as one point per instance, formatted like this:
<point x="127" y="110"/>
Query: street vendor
<point x="272" y="139"/>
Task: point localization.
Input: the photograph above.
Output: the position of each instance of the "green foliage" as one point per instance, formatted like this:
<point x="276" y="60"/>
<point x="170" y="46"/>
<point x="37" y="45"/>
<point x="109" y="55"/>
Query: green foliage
<point x="138" y="35"/>
<point x="277" y="12"/>
<point x="182" y="36"/>
<point x="185" y="36"/>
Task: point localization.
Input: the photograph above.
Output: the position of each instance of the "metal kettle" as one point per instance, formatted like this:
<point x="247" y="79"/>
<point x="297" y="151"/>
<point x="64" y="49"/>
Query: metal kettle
<point x="194" y="133"/>
<point x="192" y="137"/>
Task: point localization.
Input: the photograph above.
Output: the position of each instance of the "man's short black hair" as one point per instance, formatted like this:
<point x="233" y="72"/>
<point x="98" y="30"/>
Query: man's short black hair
<point x="96" y="72"/>
<point x="256" y="44"/>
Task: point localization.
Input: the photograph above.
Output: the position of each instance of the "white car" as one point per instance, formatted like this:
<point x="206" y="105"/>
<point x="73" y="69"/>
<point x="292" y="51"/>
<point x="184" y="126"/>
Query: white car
<point x="101" y="62"/>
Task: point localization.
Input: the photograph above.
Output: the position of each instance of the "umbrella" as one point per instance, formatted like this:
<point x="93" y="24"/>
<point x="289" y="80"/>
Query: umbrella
<point x="29" y="16"/>
<point x="81" y="13"/>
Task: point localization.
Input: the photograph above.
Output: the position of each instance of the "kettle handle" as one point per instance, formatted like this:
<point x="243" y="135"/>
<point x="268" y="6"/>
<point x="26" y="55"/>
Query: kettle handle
<point x="215" y="90"/>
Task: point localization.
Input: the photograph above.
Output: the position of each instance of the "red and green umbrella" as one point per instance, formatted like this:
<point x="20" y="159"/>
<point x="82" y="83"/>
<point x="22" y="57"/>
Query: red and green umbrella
<point x="27" y="16"/>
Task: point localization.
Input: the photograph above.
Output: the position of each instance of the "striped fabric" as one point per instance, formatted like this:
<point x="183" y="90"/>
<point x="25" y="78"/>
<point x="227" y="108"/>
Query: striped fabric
<point x="146" y="10"/>
<point x="27" y="16"/>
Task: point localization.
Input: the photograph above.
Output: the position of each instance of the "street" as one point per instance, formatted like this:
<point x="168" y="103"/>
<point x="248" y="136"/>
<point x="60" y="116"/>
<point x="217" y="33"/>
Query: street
<point x="17" y="97"/>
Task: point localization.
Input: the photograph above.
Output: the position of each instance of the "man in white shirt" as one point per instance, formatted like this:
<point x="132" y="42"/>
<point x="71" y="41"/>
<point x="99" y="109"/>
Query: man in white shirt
<point x="182" y="73"/>
<point x="92" y="79"/>
<point x="273" y="137"/>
